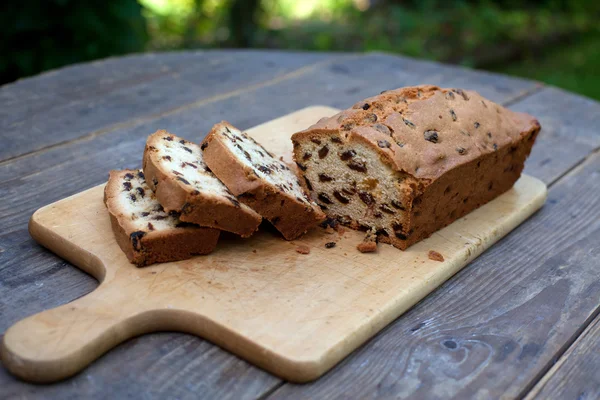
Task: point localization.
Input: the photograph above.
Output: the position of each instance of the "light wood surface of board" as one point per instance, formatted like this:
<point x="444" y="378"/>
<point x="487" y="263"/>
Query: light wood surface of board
<point x="292" y="314"/>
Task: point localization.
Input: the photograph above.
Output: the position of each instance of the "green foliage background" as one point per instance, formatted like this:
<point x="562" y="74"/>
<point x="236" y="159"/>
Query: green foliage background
<point x="42" y="34"/>
<point x="556" y="41"/>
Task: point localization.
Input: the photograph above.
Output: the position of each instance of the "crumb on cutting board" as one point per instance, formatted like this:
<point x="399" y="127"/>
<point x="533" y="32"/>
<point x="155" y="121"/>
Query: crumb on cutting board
<point x="435" y="256"/>
<point x="302" y="249"/>
<point x="369" y="243"/>
<point x="367" y="247"/>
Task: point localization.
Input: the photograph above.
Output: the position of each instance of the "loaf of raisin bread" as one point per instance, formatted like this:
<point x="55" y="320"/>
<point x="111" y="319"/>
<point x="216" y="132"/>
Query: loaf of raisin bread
<point x="260" y="180"/>
<point x="410" y="161"/>
<point x="144" y="231"/>
<point x="183" y="183"/>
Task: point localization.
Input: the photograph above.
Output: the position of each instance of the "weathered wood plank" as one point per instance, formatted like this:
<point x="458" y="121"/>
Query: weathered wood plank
<point x="73" y="102"/>
<point x="51" y="118"/>
<point x="157" y="366"/>
<point x="92" y="78"/>
<point x="498" y="324"/>
<point x="576" y="375"/>
<point x="570" y="116"/>
<point x="338" y="84"/>
<point x="495" y="87"/>
<point x="68" y="169"/>
<point x="571" y="129"/>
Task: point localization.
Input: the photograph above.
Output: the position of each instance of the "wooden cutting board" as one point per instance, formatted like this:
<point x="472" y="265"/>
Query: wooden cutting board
<point x="294" y="315"/>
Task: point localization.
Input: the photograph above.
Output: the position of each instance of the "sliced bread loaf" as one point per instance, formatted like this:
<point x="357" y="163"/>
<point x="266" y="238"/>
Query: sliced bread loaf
<point x="410" y="161"/>
<point x="144" y="231"/>
<point x="260" y="180"/>
<point x="183" y="183"/>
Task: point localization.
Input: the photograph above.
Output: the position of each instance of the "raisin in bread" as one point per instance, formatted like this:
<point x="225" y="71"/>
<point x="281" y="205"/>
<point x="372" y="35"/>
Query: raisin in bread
<point x="144" y="231"/>
<point x="260" y="180"/>
<point x="183" y="183"/>
<point x="410" y="161"/>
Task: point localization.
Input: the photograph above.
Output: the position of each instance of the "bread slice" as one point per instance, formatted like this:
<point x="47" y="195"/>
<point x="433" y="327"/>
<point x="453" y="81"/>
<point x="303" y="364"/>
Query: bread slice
<point x="183" y="183"/>
<point x="144" y="231"/>
<point x="260" y="180"/>
<point x="410" y="161"/>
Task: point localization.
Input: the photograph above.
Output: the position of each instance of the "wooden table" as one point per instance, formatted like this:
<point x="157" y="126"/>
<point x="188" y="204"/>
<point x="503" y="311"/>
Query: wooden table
<point x="522" y="320"/>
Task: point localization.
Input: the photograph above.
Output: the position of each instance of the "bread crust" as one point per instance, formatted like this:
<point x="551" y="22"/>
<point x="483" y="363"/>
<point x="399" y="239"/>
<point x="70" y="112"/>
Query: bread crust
<point x="451" y="151"/>
<point x="435" y="209"/>
<point x="403" y="117"/>
<point x="291" y="215"/>
<point x="198" y="207"/>
<point x="144" y="247"/>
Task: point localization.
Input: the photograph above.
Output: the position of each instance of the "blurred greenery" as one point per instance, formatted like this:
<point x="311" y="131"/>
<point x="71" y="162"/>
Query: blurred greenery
<point x="575" y="66"/>
<point x="42" y="34"/>
<point x="555" y="41"/>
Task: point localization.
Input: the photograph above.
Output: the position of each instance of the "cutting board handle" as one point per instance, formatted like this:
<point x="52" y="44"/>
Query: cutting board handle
<point x="58" y="343"/>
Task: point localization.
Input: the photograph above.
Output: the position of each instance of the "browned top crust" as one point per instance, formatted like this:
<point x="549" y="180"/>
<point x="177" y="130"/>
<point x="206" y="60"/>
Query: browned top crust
<point x="426" y="131"/>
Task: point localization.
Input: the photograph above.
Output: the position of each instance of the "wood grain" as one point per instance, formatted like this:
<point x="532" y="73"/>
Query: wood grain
<point x="576" y="375"/>
<point x="570" y="131"/>
<point x="498" y="324"/>
<point x="161" y="365"/>
<point x="570" y="117"/>
<point x="337" y="84"/>
<point x="329" y="301"/>
<point x="198" y="77"/>
<point x="89" y="99"/>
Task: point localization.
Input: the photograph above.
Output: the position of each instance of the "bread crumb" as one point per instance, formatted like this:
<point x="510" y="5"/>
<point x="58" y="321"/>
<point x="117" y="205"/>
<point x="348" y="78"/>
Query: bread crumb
<point x="340" y="229"/>
<point x="435" y="256"/>
<point x="329" y="230"/>
<point x="302" y="249"/>
<point x="254" y="251"/>
<point x="367" y="247"/>
<point x="369" y="243"/>
<point x="280" y="158"/>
